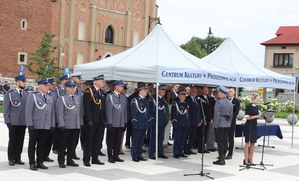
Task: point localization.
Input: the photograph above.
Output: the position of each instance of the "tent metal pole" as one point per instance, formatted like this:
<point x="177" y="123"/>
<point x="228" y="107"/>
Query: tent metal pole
<point x="157" y="119"/>
<point x="294" y="104"/>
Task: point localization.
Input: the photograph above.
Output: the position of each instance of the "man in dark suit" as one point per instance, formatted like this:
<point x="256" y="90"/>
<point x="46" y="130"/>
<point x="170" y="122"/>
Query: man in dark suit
<point x="208" y="107"/>
<point x="174" y="92"/>
<point x="231" y="131"/>
<point x="195" y="117"/>
<point x="95" y="120"/>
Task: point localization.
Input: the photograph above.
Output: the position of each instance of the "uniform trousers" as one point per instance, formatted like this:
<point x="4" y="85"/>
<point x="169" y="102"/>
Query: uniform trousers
<point x="231" y="137"/>
<point x="191" y="135"/>
<point x="15" y="143"/>
<point x="221" y="139"/>
<point x="129" y="133"/>
<point x="101" y="135"/>
<point x="137" y="142"/>
<point x="152" y="143"/>
<point x="114" y="135"/>
<point x="210" y="137"/>
<point x="48" y="144"/>
<point x="180" y="135"/>
<point x="92" y="142"/>
<point x="68" y="141"/>
<point x="37" y="141"/>
<point x="55" y="138"/>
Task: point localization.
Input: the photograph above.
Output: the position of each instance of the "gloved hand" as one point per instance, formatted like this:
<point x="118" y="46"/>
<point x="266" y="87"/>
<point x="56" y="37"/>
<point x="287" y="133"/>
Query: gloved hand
<point x="61" y="128"/>
<point x="30" y="129"/>
<point x="90" y="123"/>
<point x="8" y="125"/>
<point x="109" y="126"/>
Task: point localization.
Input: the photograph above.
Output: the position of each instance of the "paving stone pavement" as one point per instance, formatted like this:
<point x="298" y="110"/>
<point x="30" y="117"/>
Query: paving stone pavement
<point x="284" y="158"/>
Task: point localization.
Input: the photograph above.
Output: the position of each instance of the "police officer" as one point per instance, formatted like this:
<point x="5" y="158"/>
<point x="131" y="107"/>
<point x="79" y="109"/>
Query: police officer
<point x="95" y="115"/>
<point x="116" y="111"/>
<point x="180" y="123"/>
<point x="76" y="77"/>
<point x="139" y="110"/>
<point x="40" y="118"/>
<point x="14" y="118"/>
<point x="223" y="112"/>
<point x="6" y="87"/>
<point x="59" y="90"/>
<point x="69" y="116"/>
<point x="162" y="122"/>
<point x="49" y="141"/>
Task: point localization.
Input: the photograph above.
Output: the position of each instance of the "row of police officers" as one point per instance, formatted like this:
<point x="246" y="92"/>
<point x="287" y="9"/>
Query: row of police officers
<point x="55" y="116"/>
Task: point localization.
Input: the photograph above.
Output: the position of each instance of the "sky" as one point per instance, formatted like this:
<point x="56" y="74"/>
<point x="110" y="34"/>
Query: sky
<point x="247" y="22"/>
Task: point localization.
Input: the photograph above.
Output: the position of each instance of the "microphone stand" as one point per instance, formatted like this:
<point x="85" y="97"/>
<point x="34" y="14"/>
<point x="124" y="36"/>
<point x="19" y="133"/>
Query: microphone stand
<point x="202" y="174"/>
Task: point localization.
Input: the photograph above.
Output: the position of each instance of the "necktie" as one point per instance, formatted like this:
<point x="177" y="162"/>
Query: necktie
<point x="73" y="98"/>
<point x="45" y="97"/>
<point x="20" y="93"/>
<point x="194" y="100"/>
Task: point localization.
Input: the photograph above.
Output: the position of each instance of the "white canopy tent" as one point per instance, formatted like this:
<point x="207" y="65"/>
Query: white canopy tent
<point x="157" y="59"/>
<point x="229" y="57"/>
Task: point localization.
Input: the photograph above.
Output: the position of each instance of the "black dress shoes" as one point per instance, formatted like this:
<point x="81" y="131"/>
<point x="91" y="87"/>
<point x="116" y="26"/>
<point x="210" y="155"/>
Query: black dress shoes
<point x="192" y="152"/>
<point x="11" y="163"/>
<point x="228" y="157"/>
<point x="72" y="163"/>
<point x="76" y="158"/>
<point x="163" y="156"/>
<point x="128" y="147"/>
<point x="41" y="166"/>
<point x="219" y="162"/>
<point x="182" y="155"/>
<point x="111" y="160"/>
<point x="33" y="167"/>
<point x="87" y="164"/>
<point x="97" y="162"/>
<point x="176" y="156"/>
<point x="152" y="157"/>
<point x="101" y="153"/>
<point x="47" y="159"/>
<point x="142" y="158"/>
<point x="212" y="149"/>
<point x="55" y="151"/>
<point x="62" y="165"/>
<point x="19" y="162"/>
<point x="135" y="159"/>
<point x="117" y="159"/>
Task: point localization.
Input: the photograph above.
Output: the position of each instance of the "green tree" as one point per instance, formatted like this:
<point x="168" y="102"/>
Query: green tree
<point x="202" y="47"/>
<point x="42" y="61"/>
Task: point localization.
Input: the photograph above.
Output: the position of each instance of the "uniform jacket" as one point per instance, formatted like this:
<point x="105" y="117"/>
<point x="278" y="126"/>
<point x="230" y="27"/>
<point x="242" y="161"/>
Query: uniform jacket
<point x="60" y="90"/>
<point x="94" y="106"/>
<point x="116" y="109"/>
<point x="223" y="107"/>
<point x="236" y="106"/>
<point x="139" y="113"/>
<point x="180" y="114"/>
<point x="162" y="116"/>
<point x="14" y="107"/>
<point x="40" y="112"/>
<point x="195" y="113"/>
<point x="69" y="112"/>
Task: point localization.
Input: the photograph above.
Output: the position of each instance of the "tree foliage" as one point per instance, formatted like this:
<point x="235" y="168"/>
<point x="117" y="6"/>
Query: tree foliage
<point x="42" y="61"/>
<point x="200" y="47"/>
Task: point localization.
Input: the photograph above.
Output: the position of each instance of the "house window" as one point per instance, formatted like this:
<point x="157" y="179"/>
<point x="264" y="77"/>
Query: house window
<point x="283" y="60"/>
<point x="80" y="58"/>
<point x="24" y="24"/>
<point x="22" y="58"/>
<point x="81" y="30"/>
<point x="109" y="35"/>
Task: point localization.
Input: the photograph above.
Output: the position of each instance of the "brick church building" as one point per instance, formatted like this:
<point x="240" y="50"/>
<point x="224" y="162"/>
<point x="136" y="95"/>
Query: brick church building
<point x="86" y="30"/>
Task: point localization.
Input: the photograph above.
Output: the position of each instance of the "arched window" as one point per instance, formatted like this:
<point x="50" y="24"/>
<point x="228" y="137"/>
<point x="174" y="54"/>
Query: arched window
<point x="109" y="35"/>
<point x="80" y="58"/>
<point x="81" y="30"/>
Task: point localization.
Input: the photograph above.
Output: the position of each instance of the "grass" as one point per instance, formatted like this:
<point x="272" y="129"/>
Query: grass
<point x="284" y="114"/>
<point x="1" y="108"/>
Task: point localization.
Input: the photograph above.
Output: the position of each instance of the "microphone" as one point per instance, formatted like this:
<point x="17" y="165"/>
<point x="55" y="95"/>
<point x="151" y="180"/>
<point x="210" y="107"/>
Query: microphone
<point x="198" y="98"/>
<point x="266" y="103"/>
